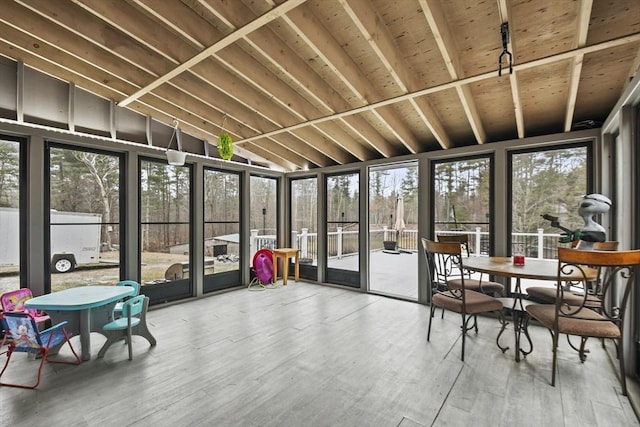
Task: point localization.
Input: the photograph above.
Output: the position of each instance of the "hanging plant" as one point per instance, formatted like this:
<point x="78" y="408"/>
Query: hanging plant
<point x="225" y="146"/>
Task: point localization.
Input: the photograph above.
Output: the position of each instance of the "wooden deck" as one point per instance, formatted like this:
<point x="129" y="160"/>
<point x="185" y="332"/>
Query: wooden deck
<point x="311" y="355"/>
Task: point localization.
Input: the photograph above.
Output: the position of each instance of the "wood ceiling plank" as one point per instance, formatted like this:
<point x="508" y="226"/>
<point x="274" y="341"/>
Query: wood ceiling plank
<point x="84" y="51"/>
<point x="226" y="41"/>
<point x="316" y="140"/>
<point x="41" y="61"/>
<point x="140" y="28"/>
<point x="244" y="94"/>
<point x="329" y="50"/>
<point x="622" y="41"/>
<point x="314" y="154"/>
<point x="274" y="158"/>
<point x="386" y="51"/>
<point x="544" y="92"/>
<point x="291" y="68"/>
<point x="493" y="99"/>
<point x="446" y="44"/>
<point x="89" y="27"/>
<point x="612" y="19"/>
<point x="604" y="77"/>
<point x="169" y="33"/>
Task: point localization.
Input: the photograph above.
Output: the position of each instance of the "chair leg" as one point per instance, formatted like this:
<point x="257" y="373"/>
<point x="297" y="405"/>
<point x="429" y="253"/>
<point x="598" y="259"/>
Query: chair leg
<point x="432" y="310"/>
<point x="130" y="344"/>
<point x="9" y="354"/>
<point x="464" y="334"/>
<point x="623" y="375"/>
<point x="555" y="358"/>
<point x="112" y="336"/>
<point x="142" y="329"/>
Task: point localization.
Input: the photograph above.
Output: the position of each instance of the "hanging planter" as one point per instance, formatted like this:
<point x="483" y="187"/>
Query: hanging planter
<point x="176" y="158"/>
<point x="225" y="146"/>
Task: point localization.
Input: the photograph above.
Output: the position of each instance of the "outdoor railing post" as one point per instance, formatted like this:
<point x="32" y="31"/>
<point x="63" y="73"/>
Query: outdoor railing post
<point x="252" y="242"/>
<point x="540" y="243"/>
<point x="294" y="239"/>
<point x="478" y="239"/>
<point x="386" y="232"/>
<point x="304" y="243"/>
<point x="339" y="242"/>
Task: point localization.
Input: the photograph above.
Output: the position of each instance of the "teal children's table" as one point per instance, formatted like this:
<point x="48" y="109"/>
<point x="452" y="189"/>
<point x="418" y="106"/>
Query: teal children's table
<point x="85" y="308"/>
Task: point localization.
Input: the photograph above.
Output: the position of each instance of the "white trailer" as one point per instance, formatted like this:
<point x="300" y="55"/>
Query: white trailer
<point x="75" y="239"/>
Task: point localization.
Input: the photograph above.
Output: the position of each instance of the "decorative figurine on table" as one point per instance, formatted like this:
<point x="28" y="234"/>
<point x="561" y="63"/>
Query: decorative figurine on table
<point x="591" y="205"/>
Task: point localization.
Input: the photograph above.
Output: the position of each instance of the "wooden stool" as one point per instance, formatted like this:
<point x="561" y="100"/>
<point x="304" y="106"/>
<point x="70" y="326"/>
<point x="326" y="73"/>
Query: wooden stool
<point x="285" y="254"/>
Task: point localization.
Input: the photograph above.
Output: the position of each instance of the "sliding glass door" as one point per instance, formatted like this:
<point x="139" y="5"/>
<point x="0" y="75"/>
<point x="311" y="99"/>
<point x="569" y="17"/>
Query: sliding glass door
<point x="393" y="230"/>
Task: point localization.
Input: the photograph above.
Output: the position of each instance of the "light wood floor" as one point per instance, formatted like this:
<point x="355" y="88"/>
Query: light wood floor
<point x="311" y="355"/>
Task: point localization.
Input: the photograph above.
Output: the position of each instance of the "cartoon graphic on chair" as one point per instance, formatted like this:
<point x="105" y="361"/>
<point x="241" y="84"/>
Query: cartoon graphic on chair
<point x="592" y="232"/>
<point x="22" y="334"/>
<point x="16" y="302"/>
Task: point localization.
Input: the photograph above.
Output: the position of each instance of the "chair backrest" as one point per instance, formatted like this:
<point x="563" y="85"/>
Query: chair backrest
<point x="23" y="331"/>
<point x="617" y="276"/>
<point x="461" y="239"/>
<point x="14" y="301"/>
<point x="132" y="283"/>
<point x="133" y="306"/>
<point x="609" y="245"/>
<point x="442" y="259"/>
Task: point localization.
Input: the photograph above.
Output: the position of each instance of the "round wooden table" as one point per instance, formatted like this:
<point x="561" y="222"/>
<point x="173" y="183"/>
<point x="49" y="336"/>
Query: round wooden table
<point x="533" y="268"/>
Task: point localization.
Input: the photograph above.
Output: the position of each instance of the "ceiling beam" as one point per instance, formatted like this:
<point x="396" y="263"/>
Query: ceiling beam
<point x="584" y="15"/>
<point x="446" y="44"/>
<point x="264" y="19"/>
<point x="620" y="41"/>
<point x="205" y="83"/>
<point x="504" y="12"/>
<point x="286" y="61"/>
<point x="317" y="38"/>
<point x="381" y="42"/>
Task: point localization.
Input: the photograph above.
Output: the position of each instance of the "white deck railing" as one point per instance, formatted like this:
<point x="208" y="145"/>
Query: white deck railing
<point x="341" y="243"/>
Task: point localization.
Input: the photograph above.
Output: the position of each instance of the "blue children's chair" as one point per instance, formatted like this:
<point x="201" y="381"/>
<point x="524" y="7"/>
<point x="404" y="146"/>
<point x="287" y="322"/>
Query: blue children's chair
<point x="26" y="338"/>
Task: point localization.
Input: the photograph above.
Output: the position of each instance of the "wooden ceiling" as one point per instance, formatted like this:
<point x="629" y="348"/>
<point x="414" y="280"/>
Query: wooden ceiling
<point x="303" y="84"/>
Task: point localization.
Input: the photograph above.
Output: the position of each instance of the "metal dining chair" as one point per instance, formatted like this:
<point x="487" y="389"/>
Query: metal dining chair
<point x="441" y="259"/>
<point x="485" y="286"/>
<point x="548" y="294"/>
<point x="578" y="318"/>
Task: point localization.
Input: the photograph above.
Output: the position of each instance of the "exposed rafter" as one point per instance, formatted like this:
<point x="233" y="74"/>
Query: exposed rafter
<point x="584" y="13"/>
<point x="323" y="83"/>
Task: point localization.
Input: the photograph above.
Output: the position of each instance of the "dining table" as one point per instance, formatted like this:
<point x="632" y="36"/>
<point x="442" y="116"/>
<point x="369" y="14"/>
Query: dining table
<point x="85" y="308"/>
<point x="516" y="301"/>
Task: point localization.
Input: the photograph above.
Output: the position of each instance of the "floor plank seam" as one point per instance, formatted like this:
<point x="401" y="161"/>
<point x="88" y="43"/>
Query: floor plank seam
<point x="446" y="398"/>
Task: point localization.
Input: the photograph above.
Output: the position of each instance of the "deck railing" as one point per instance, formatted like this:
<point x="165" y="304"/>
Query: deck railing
<point x="342" y="243"/>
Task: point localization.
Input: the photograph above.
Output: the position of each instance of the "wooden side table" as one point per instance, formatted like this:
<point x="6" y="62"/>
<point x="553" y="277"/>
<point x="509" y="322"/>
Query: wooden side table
<point x="285" y="254"/>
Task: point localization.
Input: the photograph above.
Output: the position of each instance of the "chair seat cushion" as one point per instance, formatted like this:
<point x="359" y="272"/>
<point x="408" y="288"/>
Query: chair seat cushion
<point x="484" y="286"/>
<point x="120" y="324"/>
<point x="476" y="302"/>
<point x="547" y="294"/>
<point x="587" y="323"/>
